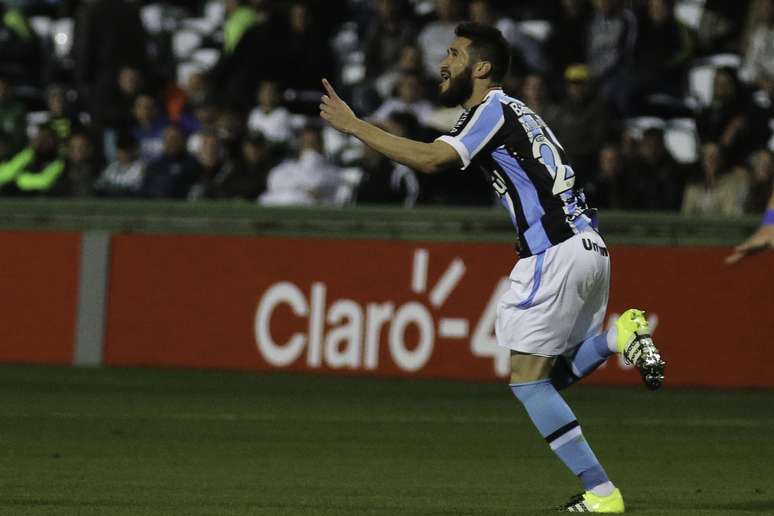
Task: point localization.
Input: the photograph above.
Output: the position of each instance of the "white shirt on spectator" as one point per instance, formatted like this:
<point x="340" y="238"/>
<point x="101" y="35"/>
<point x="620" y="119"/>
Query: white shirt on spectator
<point x="275" y="125"/>
<point x="305" y="181"/>
<point x="119" y="177"/>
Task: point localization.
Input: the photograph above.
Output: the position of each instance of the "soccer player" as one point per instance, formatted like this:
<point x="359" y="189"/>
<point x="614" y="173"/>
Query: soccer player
<point x="551" y="317"/>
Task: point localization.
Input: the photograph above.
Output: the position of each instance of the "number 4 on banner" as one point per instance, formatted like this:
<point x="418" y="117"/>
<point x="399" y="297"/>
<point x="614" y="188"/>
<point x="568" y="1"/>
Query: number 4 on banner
<point x="483" y="342"/>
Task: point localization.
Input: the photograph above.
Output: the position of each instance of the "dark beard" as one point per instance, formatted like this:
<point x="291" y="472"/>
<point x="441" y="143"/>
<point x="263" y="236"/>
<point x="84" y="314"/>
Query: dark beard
<point x="460" y="89"/>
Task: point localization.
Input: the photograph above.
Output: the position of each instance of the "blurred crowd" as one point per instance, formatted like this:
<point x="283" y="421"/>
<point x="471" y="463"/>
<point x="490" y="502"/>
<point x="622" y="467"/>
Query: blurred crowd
<point x="661" y="105"/>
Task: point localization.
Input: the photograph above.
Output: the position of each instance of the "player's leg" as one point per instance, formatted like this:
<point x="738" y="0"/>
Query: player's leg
<point x="595" y="345"/>
<point x="535" y="319"/>
<point x="630" y="336"/>
<point x="558" y="425"/>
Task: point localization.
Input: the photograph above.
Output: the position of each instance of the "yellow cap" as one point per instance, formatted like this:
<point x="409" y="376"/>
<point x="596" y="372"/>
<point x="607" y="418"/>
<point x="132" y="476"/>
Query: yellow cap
<point x="577" y="73"/>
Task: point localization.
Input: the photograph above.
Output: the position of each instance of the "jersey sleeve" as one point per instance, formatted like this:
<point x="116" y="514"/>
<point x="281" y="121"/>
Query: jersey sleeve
<point x="477" y="131"/>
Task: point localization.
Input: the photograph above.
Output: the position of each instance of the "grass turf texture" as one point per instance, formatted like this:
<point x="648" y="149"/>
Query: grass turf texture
<point x="177" y="442"/>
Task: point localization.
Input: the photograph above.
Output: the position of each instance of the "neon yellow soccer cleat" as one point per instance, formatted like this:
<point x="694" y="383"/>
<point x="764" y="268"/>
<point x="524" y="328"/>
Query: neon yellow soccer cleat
<point x="589" y="502"/>
<point x="636" y="345"/>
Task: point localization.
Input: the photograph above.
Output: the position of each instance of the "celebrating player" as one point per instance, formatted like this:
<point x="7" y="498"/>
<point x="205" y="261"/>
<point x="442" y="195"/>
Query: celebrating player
<point x="551" y="316"/>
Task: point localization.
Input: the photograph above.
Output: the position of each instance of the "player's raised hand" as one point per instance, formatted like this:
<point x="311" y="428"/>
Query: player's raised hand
<point x="335" y="111"/>
<point x="759" y="241"/>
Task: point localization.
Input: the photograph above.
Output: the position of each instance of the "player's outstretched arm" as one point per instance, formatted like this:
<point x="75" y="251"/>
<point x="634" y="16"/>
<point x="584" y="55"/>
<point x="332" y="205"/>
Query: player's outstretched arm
<point x="761" y="240"/>
<point x="425" y="157"/>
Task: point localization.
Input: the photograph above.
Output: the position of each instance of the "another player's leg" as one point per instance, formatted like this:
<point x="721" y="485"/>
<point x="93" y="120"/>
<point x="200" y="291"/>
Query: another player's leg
<point x="556" y="422"/>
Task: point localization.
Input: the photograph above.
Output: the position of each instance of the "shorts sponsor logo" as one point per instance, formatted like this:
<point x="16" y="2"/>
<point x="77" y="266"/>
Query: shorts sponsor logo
<point x="589" y="245"/>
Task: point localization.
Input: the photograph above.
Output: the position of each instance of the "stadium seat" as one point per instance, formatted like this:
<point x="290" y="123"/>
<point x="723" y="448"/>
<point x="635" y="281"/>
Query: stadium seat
<point x="207" y="57"/>
<point x="538" y="30"/>
<point x="353" y="70"/>
<point x="349" y="179"/>
<point x="62" y="32"/>
<point x="187" y="68"/>
<point x="152" y="18"/>
<point x="215" y="11"/>
<point x="689" y="12"/>
<point x="184" y="42"/>
<point x="702" y="75"/>
<point x="681" y="139"/>
<point x="42" y="26"/>
<point x="635" y="126"/>
<point x="204" y="26"/>
<point x="34" y="119"/>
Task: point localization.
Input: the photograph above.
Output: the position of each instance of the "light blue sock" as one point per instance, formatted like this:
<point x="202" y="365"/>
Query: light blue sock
<point x="558" y="426"/>
<point x="590" y="354"/>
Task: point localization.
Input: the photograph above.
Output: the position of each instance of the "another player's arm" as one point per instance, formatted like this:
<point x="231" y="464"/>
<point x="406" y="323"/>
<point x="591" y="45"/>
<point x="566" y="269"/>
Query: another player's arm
<point x="761" y="240"/>
<point x="424" y="157"/>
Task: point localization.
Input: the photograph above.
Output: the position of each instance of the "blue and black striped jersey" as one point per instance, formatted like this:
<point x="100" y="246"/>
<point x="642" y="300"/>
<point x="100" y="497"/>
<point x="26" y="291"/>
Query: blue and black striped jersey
<point x="527" y="167"/>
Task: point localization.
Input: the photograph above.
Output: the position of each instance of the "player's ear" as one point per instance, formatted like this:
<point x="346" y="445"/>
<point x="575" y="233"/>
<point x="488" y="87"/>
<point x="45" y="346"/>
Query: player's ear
<point x="482" y="70"/>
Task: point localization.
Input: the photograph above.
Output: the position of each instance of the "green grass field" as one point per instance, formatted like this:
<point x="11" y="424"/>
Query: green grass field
<point x="140" y="442"/>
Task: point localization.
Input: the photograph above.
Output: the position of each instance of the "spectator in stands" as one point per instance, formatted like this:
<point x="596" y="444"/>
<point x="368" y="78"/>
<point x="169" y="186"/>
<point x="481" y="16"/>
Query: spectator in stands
<point x="213" y="167"/>
<point x="206" y="114"/>
<point x="181" y="103"/>
<point x="436" y="36"/>
<point x="535" y="94"/>
<point x="409" y="61"/>
<point x="663" y="50"/>
<point x="526" y="48"/>
<point x="82" y="165"/>
<point x="171" y="175"/>
<point x="409" y="99"/>
<point x="230" y="128"/>
<point x="247" y="179"/>
<point x="612" y="37"/>
<point x="269" y="117"/>
<point x="761" y="181"/>
<point x="61" y="117"/>
<point x="721" y="190"/>
<point x="732" y="120"/>
<point x="36" y="169"/>
<point x="758" y="65"/>
<point x="720" y="26"/>
<point x="109" y="38"/>
<point x="20" y="55"/>
<point x="111" y="107"/>
<point x="13" y="121"/>
<point x="606" y="189"/>
<point x="653" y="181"/>
<point x="582" y="122"/>
<point x="124" y="176"/>
<point x="148" y="127"/>
<point x="307" y="47"/>
<point x="566" y="44"/>
<point x="248" y="31"/>
<point x="387" y="35"/>
<point x="307" y="180"/>
<point x="383" y="181"/>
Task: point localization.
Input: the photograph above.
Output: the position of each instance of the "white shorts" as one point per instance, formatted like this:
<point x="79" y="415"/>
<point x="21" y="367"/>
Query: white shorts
<point x="556" y="299"/>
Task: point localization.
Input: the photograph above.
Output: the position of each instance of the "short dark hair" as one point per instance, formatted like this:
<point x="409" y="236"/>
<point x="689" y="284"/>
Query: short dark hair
<point x="489" y="45"/>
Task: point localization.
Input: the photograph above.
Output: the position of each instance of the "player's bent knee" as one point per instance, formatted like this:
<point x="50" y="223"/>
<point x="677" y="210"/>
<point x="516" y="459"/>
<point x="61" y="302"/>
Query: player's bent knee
<point x="530" y="368"/>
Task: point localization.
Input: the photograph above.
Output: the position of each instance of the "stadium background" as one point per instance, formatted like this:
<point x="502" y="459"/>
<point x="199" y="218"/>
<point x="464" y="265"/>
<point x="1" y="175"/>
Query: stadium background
<point x="168" y="215"/>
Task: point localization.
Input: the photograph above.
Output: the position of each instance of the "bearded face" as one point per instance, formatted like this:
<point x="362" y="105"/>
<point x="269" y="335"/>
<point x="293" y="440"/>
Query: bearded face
<point x="454" y="90"/>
